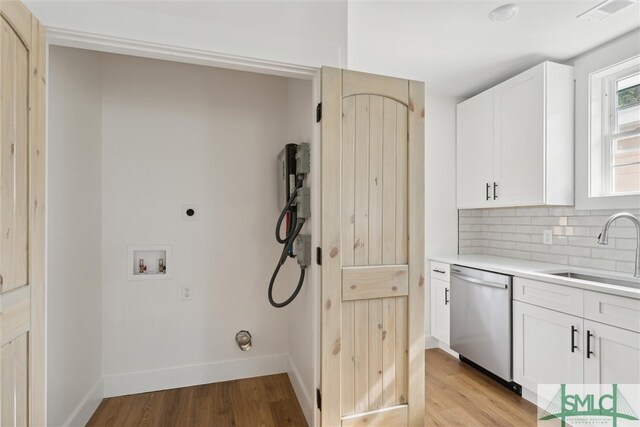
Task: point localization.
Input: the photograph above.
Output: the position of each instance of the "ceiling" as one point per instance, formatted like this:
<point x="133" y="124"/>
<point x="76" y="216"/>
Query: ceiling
<point x="458" y="51"/>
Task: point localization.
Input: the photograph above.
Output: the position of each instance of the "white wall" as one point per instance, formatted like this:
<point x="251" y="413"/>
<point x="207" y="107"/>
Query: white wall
<point x="74" y="325"/>
<point x="177" y="134"/>
<point x="312" y="33"/>
<point x="130" y="141"/>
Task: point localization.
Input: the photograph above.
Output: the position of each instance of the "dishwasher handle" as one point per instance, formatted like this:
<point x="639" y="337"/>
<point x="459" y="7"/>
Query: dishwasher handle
<point x="480" y="282"/>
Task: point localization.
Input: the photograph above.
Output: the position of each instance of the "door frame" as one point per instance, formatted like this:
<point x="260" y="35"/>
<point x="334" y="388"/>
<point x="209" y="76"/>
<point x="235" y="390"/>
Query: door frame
<point x="331" y="244"/>
<point x="143" y="49"/>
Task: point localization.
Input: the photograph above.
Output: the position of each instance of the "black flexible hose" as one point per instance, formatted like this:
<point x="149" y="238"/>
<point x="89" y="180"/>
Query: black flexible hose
<point x="281" y="217"/>
<point x="281" y="261"/>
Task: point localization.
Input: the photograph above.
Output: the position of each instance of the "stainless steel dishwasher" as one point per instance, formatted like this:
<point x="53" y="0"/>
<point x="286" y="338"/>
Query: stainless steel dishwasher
<point x="481" y="320"/>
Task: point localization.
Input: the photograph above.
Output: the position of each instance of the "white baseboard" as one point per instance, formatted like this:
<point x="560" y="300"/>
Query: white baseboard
<point x="430" y="342"/>
<point x="184" y="376"/>
<point x="87" y="406"/>
<point x="304" y="395"/>
<point x="530" y="396"/>
<point x="446" y="348"/>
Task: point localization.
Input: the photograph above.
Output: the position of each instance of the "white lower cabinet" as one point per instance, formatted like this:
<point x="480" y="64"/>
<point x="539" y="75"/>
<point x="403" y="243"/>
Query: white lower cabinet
<point x="440" y="310"/>
<point x="542" y="346"/>
<point x="550" y="347"/>
<point x="614" y="355"/>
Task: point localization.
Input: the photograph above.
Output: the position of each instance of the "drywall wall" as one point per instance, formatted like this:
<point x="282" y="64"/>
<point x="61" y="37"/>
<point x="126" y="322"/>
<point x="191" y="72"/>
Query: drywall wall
<point x="74" y="325"/>
<point x="312" y="33"/>
<point x="302" y="311"/>
<point x="176" y="134"/>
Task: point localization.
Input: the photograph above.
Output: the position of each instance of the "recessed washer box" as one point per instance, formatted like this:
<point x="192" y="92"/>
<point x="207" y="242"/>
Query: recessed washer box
<point x="149" y="262"/>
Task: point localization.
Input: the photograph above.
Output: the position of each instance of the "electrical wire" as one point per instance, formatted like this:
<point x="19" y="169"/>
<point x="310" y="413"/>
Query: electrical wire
<point x="283" y="258"/>
<point x="282" y="216"/>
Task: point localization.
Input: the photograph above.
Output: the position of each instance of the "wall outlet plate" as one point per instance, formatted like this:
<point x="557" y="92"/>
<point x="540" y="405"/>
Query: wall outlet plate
<point x="547" y="237"/>
<point x="190" y="212"/>
<point x="187" y="292"/>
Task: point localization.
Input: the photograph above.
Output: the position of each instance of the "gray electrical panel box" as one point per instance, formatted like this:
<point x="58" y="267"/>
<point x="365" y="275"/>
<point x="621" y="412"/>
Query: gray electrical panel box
<point x="303" y="250"/>
<point x="303" y="158"/>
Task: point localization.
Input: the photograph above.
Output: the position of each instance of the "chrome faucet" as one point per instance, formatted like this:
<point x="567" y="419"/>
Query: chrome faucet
<point x="603" y="238"/>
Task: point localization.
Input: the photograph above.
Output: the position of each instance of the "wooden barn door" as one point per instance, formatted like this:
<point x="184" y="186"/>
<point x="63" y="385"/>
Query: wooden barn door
<point x="22" y="72"/>
<point x="372" y="250"/>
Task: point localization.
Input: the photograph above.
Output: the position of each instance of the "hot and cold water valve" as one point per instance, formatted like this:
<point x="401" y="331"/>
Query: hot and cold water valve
<point x="294" y="163"/>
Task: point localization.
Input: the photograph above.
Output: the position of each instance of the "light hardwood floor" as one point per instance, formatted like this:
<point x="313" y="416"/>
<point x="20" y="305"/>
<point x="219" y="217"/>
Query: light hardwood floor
<point x="261" y="401"/>
<point x="456" y="395"/>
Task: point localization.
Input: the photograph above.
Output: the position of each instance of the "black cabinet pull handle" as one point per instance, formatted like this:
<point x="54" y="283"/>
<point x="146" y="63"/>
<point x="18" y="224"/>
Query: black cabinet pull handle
<point x="589" y="352"/>
<point x="439" y="271"/>
<point x="446" y="296"/>
<point x="495" y="190"/>
<point x="573" y="339"/>
<point x="487" y="190"/>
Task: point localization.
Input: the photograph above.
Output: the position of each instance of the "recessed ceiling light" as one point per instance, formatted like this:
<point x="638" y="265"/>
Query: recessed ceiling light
<point x="504" y="13"/>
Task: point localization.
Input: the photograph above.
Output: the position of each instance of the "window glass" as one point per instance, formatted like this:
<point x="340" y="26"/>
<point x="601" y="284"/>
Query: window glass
<point x="628" y="104"/>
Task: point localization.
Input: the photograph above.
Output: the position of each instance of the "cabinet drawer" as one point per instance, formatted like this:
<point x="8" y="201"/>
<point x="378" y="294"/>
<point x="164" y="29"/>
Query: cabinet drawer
<point x="612" y="310"/>
<point x="549" y="295"/>
<point x="440" y="270"/>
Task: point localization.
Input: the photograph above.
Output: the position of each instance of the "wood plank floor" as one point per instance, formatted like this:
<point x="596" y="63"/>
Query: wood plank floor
<point x="261" y="401"/>
<point x="459" y="395"/>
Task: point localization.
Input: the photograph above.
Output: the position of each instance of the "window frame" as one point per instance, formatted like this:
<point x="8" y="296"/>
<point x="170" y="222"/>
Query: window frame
<point x="602" y="117"/>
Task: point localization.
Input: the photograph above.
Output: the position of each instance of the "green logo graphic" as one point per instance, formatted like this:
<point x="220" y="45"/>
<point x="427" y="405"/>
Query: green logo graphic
<point x="613" y="406"/>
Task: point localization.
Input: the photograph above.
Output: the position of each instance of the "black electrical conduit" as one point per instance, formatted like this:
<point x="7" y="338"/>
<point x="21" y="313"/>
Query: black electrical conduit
<point x="288" y="243"/>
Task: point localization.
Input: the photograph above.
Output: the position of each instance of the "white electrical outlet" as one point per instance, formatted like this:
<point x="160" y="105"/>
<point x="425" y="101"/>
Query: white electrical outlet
<point x="547" y="237"/>
<point x="187" y="292"/>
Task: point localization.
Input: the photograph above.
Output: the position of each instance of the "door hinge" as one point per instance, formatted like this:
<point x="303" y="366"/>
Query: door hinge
<point x="319" y="255"/>
<point x="319" y="112"/>
<point x="319" y="399"/>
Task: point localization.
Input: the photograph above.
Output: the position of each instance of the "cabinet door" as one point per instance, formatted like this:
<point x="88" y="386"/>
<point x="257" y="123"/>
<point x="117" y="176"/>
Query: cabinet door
<point x="542" y="347"/>
<point x="440" y="310"/>
<point x="519" y="139"/>
<point x="614" y="356"/>
<point x="475" y="151"/>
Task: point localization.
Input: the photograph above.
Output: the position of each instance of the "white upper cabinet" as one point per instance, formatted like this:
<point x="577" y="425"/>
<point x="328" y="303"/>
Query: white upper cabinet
<point x="475" y="150"/>
<point x="515" y="141"/>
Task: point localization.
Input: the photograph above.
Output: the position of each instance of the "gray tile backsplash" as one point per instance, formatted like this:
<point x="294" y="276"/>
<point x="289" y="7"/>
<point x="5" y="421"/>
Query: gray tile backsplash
<point x="517" y="233"/>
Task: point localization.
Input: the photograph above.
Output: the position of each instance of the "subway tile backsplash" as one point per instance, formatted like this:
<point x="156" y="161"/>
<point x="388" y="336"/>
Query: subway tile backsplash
<point x="517" y="233"/>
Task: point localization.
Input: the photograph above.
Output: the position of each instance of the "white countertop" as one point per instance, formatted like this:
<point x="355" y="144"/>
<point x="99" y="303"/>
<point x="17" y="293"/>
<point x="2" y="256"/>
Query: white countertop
<point x="541" y="271"/>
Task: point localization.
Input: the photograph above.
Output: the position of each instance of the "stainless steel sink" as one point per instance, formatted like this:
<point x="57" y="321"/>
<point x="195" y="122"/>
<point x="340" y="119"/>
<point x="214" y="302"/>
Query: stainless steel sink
<point x="618" y="282"/>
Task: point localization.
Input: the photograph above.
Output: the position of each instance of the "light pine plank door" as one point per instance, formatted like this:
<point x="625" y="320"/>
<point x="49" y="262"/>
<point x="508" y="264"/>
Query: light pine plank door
<point x="372" y="273"/>
<point x="22" y="90"/>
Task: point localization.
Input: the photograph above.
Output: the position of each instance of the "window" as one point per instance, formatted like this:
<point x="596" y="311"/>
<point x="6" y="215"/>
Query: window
<point x="615" y="130"/>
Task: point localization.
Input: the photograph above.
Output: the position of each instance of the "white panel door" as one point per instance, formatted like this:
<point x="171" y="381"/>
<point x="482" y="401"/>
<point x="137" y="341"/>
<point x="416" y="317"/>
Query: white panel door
<point x="440" y="310"/>
<point x="612" y="355"/>
<point x="519" y="139"/>
<point x="475" y="151"/>
<point x="547" y="347"/>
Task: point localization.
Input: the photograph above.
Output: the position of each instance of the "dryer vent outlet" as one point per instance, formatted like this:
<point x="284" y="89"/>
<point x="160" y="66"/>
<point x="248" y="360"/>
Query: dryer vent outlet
<point x="243" y="338"/>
